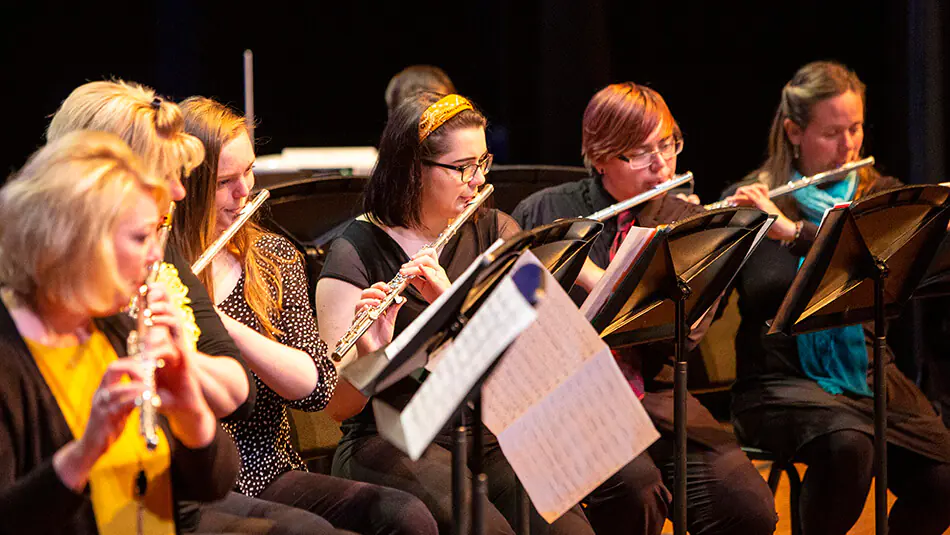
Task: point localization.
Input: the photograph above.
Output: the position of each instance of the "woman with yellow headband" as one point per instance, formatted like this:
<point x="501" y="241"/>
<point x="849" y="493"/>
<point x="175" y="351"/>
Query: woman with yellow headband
<point x="432" y="161"/>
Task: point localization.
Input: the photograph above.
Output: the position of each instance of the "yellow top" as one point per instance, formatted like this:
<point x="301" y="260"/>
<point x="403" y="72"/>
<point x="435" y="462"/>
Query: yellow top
<point x="73" y="375"/>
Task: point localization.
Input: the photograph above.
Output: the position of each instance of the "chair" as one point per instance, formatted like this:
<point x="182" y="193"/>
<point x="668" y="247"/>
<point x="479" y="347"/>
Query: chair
<point x="315" y="436"/>
<point x="515" y="182"/>
<point x="780" y="465"/>
<point x="311" y="211"/>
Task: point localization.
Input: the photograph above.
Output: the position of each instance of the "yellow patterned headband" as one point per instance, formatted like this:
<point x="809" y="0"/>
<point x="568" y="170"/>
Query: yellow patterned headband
<point x="435" y="115"/>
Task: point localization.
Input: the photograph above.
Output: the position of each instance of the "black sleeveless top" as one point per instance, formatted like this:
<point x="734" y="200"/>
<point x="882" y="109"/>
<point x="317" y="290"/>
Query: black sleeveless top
<point x="364" y="254"/>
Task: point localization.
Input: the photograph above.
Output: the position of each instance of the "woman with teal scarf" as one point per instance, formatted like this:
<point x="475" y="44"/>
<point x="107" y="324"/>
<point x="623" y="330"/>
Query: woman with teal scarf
<point x="807" y="397"/>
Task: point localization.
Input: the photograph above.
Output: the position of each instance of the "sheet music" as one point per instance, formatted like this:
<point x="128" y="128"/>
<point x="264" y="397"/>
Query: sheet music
<point x="563" y="412"/>
<point x="637" y="238"/>
<point x="566" y="445"/>
<point x="498" y="321"/>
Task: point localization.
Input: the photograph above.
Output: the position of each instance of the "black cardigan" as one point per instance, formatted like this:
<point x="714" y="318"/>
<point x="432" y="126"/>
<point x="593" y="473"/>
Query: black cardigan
<point x="32" y="497"/>
<point x="214" y="339"/>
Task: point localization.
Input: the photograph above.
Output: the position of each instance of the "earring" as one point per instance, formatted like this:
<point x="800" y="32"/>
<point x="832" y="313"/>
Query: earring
<point x="796" y="154"/>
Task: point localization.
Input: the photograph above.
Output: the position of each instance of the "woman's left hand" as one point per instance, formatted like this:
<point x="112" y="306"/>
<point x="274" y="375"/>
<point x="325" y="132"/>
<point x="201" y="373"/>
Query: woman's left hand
<point x="179" y="388"/>
<point x="428" y="276"/>
<point x="167" y="315"/>
<point x="692" y="198"/>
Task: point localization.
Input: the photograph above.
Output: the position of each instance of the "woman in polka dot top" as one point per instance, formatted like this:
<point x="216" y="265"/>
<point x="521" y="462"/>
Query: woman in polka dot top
<point x="259" y="285"/>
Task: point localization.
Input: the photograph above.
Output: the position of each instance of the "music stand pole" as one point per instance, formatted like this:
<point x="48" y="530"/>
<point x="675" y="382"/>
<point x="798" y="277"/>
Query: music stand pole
<point x="459" y="488"/>
<point x="679" y="411"/>
<point x="880" y="402"/>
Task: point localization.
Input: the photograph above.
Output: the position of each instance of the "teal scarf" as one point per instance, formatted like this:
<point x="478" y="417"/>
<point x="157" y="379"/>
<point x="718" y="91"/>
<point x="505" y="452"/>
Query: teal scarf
<point x="834" y="358"/>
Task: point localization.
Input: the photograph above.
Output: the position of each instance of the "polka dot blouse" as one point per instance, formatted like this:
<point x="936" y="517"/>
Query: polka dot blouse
<point x="264" y="439"/>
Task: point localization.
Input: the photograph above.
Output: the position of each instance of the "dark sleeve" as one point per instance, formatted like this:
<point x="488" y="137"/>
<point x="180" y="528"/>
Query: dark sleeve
<point x="343" y="262"/>
<point x="214" y="339"/>
<point x="524" y="212"/>
<point x="205" y="474"/>
<point x="298" y="326"/>
<point x="37" y="502"/>
<point x="802" y="244"/>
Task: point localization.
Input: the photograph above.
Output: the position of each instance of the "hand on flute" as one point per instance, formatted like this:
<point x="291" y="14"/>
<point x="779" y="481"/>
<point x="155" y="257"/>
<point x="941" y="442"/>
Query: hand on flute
<point x="757" y="195"/>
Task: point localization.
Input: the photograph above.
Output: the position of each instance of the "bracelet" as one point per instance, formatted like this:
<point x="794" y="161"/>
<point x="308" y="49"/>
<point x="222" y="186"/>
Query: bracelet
<point x="798" y="232"/>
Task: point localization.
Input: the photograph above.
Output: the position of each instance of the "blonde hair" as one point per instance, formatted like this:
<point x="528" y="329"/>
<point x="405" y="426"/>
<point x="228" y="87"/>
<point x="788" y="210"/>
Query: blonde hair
<point x="57" y="217"/>
<point x="196" y="218"/>
<point x="152" y="126"/>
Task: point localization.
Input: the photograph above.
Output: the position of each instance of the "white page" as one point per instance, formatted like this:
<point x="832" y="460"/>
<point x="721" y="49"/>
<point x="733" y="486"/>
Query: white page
<point x="566" y="445"/>
<point x="556" y="392"/>
<point x="463" y="362"/>
<point x="637" y="238"/>
<point x="558" y="346"/>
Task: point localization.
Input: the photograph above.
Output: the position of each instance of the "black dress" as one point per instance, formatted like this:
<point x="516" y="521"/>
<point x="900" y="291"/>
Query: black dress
<point x="365" y="254"/>
<point x="777" y="407"/>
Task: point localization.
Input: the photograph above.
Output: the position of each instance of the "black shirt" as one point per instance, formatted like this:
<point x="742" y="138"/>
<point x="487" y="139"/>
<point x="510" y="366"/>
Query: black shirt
<point x="364" y="254"/>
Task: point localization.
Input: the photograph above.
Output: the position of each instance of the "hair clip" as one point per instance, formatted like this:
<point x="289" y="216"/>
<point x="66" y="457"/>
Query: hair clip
<point x="157" y="102"/>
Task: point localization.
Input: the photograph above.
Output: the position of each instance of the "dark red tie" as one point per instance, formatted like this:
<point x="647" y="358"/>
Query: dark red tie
<point x="627" y="359"/>
<point x="625" y="220"/>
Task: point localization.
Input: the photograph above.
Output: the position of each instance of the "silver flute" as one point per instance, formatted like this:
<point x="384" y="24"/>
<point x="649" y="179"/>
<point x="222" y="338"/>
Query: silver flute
<point x="365" y="319"/>
<point x="656" y="191"/>
<point x="804" y="182"/>
<point x="148" y="401"/>
<point x="249" y="209"/>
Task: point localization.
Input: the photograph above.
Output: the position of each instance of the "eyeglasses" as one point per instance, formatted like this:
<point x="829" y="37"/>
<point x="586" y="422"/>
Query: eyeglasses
<point x="667" y="148"/>
<point x="468" y="171"/>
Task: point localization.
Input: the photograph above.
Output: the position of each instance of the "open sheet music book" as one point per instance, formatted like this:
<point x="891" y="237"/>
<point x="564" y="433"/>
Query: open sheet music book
<point x="563" y="413"/>
<point x="633" y="244"/>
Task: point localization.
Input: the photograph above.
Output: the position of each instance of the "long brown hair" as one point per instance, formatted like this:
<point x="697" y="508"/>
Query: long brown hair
<point x="813" y="83"/>
<point x="196" y="218"/>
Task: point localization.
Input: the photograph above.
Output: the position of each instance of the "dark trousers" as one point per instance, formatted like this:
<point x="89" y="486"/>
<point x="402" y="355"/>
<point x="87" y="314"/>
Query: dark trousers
<point x="374" y="460"/>
<point x="838" y="481"/>
<point x="724" y="494"/>
<point x="238" y="513"/>
<point x="303" y="502"/>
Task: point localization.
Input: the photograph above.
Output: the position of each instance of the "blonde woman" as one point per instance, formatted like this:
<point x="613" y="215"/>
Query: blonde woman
<point x="154" y="129"/>
<point x="77" y="232"/>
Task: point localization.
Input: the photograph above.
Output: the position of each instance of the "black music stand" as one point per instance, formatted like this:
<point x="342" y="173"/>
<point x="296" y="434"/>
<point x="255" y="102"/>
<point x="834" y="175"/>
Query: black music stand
<point x="866" y="262"/>
<point x="936" y="281"/>
<point x="563" y="247"/>
<point x="675" y="281"/>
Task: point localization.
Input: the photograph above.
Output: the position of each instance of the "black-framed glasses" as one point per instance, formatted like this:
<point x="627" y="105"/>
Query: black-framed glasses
<point x="667" y="148"/>
<point x="467" y="171"/>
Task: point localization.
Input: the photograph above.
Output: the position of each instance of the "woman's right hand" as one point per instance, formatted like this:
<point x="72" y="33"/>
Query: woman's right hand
<point x="381" y="332"/>
<point x="757" y="195"/>
<point x="112" y="403"/>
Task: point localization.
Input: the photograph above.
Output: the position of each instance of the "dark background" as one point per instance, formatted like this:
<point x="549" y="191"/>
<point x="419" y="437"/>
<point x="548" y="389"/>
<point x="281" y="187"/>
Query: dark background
<point x="321" y="68"/>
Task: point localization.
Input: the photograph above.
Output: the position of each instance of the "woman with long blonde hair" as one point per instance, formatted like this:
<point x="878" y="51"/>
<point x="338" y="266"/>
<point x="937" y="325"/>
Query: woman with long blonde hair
<point x="259" y="283"/>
